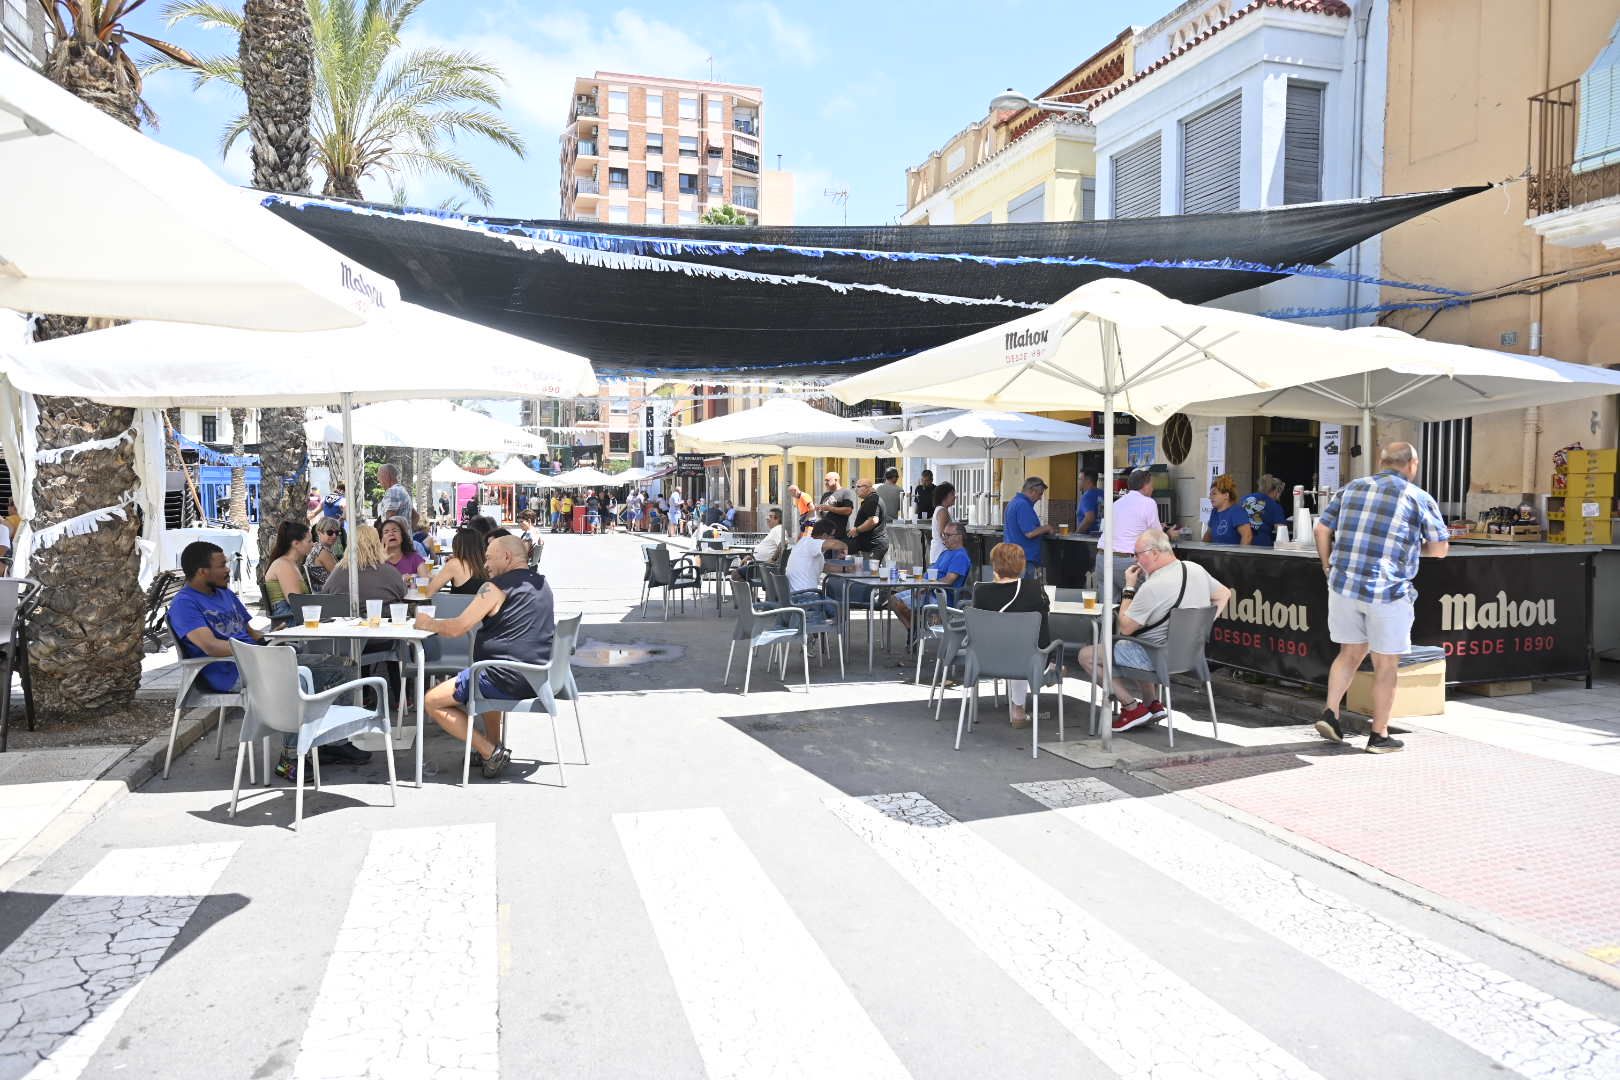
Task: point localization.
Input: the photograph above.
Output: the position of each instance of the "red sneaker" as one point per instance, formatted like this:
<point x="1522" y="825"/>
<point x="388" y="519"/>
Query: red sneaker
<point x="1133" y="716"/>
<point x="1157" y="710"/>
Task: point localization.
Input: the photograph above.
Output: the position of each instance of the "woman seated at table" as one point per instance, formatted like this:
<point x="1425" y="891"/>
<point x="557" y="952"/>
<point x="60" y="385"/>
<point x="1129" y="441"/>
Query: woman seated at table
<point x="285" y="575"/>
<point x="464" y="571"/>
<point x="1012" y="592"/>
<point x="951" y="570"/>
<point x="1228" y="521"/>
<point x="378" y="580"/>
<point x="323" y="553"/>
<point x="398" y="549"/>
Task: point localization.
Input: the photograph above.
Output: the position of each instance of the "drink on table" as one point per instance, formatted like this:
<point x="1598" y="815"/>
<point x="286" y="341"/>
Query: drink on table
<point x="1088" y="597"/>
<point x="312" y="618"/>
<point x="374" y="613"/>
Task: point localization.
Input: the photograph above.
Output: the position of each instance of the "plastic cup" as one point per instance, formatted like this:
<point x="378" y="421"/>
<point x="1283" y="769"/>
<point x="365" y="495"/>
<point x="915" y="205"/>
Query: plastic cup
<point x="917" y="572"/>
<point x="398" y="613"/>
<point x="312" y="618"/>
<point x="1088" y="597"/>
<point x="1063" y="530"/>
<point x="422" y="583"/>
<point x="429" y="610"/>
<point x="933" y="573"/>
<point x="374" y="612"/>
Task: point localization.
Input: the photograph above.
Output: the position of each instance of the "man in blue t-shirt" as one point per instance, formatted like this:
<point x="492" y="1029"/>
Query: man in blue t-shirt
<point x="1022" y="525"/>
<point x="1088" y="517"/>
<point x="952" y="569"/>
<point x="206" y="615"/>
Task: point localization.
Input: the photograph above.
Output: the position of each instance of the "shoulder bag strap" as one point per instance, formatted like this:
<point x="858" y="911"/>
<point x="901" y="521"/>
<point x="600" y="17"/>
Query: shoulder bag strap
<point x="1161" y="620"/>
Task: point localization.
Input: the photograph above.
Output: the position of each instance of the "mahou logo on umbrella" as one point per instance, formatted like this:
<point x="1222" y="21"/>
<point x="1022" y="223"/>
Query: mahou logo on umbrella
<point x="1023" y="346"/>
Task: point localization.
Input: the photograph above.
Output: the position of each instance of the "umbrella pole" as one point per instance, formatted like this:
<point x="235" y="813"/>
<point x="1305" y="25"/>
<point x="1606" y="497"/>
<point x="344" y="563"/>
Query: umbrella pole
<point x="352" y="501"/>
<point x="790" y="510"/>
<point x="990" y="491"/>
<point x="1105" y="543"/>
<point x="1369" y="450"/>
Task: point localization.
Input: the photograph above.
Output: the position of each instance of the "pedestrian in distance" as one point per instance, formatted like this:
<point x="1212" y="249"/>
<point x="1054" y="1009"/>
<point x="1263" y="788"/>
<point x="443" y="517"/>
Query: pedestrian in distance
<point x="1370" y="538"/>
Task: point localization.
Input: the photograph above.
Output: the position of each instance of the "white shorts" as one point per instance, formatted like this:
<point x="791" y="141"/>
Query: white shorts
<point x="1384" y="628"/>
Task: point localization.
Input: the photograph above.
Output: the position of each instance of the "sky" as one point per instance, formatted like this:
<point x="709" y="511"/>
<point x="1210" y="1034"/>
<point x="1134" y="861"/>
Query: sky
<point x="855" y="93"/>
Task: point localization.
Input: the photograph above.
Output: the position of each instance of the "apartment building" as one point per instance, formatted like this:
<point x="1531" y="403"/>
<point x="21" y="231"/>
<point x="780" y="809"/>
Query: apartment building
<point x="644" y="150"/>
<point x="22" y="31"/>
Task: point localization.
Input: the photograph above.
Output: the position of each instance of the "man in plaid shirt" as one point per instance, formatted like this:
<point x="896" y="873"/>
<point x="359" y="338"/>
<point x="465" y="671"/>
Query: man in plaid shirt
<point x="1369" y="538"/>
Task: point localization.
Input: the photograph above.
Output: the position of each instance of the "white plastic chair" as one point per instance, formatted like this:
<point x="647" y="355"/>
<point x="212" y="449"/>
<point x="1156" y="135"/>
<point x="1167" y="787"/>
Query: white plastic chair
<point x="549" y="681"/>
<point x="277" y="699"/>
<point x="193" y="693"/>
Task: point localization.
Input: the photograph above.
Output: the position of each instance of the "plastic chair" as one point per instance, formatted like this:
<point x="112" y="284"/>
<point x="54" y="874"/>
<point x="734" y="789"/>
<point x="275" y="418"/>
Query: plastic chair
<point x="273" y="689"/>
<point x="679" y="576"/>
<point x="455" y="653"/>
<point x="821" y="616"/>
<point x="548" y="682"/>
<point x="929" y="626"/>
<point x="1003" y="645"/>
<point x="1181" y="654"/>
<point x="765" y="627"/>
<point x="19" y="598"/>
<point x="193" y="693"/>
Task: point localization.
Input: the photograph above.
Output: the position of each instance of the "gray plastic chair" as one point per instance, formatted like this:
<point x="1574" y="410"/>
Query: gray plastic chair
<point x="548" y="682"/>
<point x="455" y="653"/>
<point x="1004" y="645"/>
<point x="273" y="689"/>
<point x="193" y="693"/>
<point x="679" y="576"/>
<point x="930" y="625"/>
<point x="1181" y="654"/>
<point x="765" y="628"/>
<point x="821" y="616"/>
<point x="19" y="598"/>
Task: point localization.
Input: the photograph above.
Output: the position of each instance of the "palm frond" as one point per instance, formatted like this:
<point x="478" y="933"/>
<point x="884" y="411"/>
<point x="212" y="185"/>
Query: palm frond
<point x="208" y="16"/>
<point x="233" y="130"/>
<point x="441" y="163"/>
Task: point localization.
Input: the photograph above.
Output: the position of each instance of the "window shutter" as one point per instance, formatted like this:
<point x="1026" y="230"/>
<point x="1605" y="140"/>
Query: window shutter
<point x="1302" y="144"/>
<point x="1030" y="206"/>
<point x="1136" y="180"/>
<point x="1212" y="159"/>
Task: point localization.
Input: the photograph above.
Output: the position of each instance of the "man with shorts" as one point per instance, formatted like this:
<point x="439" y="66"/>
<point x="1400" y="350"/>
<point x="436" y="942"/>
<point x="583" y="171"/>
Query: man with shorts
<point x="1156" y="584"/>
<point x="516" y="619"/>
<point x="1369" y="539"/>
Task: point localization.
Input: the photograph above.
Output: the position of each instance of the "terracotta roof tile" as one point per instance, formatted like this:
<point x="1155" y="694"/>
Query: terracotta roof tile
<point x="1337" y="8"/>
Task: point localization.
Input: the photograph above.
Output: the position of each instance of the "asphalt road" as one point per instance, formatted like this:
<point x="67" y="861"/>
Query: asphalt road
<point x="786" y="884"/>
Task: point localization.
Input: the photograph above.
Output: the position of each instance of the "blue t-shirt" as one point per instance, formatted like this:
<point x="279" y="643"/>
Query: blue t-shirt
<point x="1265" y="514"/>
<point x="222" y="613"/>
<point x="1223" y="525"/>
<point x="1020" y="520"/>
<point x="954" y="561"/>
<point x="1091" y="502"/>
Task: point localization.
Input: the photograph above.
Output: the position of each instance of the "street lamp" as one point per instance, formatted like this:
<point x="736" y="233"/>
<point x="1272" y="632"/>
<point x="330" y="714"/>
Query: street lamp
<point x="1011" y="100"/>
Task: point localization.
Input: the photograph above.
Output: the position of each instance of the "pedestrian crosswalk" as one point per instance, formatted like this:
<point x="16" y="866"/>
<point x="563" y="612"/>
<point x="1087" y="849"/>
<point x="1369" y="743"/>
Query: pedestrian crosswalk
<point x="417" y="981"/>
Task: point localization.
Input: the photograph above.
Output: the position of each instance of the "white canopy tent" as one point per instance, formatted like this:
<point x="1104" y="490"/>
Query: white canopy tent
<point x="586" y="476"/>
<point x="103" y="221"/>
<point x="1114" y="344"/>
<point x="513" y="471"/>
<point x="990" y="434"/>
<point x="443" y="425"/>
<point x="785" y="426"/>
<point x="448" y="472"/>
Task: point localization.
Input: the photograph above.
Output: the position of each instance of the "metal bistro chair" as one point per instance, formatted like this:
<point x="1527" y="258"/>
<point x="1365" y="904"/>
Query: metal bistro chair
<point x="19" y="599"/>
<point x="821" y="617"/>
<point x="1003" y="645"/>
<point x="277" y="700"/>
<point x="549" y="681"/>
<point x="193" y="693"/>
<point x="679" y="576"/>
<point x="765" y="628"/>
<point x="1181" y="654"/>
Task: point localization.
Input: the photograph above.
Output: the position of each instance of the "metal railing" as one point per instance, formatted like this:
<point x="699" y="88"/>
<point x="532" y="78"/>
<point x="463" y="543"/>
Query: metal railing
<point x="1554" y="184"/>
<point x="585" y="107"/>
<point x="747" y="127"/>
<point x="747" y="198"/>
<point x="587" y="148"/>
<point x="744" y="162"/>
<point x="587" y="186"/>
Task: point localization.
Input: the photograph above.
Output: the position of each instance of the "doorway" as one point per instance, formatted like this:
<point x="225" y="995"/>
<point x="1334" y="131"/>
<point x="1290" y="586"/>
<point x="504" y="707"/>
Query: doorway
<point x="1291" y="456"/>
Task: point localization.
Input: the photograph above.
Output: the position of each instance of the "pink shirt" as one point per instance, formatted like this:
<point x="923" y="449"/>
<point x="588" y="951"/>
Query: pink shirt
<point x="1134" y="514"/>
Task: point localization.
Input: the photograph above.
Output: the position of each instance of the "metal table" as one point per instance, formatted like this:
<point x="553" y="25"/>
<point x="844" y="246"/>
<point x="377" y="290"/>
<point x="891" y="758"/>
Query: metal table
<point x="355" y="630"/>
<point x="877" y="585"/>
<point x="722" y="558"/>
<point x="1067" y="619"/>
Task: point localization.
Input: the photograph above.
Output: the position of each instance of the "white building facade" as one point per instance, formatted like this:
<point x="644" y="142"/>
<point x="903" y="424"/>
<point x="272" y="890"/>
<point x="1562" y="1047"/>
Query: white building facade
<point x="1251" y="105"/>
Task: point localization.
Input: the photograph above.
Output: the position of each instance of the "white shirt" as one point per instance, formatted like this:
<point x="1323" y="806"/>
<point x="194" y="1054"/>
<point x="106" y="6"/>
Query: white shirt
<point x="805" y="565"/>
<point x="770" y="547"/>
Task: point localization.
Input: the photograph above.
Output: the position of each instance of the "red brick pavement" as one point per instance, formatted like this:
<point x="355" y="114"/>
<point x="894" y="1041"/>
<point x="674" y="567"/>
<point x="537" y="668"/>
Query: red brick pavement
<point x="1531" y="841"/>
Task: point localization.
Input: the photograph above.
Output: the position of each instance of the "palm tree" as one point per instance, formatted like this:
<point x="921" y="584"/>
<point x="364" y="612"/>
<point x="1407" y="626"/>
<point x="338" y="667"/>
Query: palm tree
<point x="378" y="109"/>
<point x="724" y="214"/>
<point x="237" y="511"/>
<point x="85" y="641"/>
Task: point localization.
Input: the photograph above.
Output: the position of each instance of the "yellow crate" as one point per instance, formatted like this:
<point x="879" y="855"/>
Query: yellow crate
<point x="1585" y="531"/>
<point x="1584" y="485"/>
<point x="1592" y="461"/>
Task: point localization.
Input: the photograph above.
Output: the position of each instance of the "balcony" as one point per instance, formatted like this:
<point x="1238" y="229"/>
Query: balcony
<point x="747" y="198"/>
<point x="586" y="185"/>
<point x="1573" y="193"/>
<point x="584" y="106"/>
<point x="747" y="127"/>
<point x="587" y="148"/>
<point x="742" y="162"/>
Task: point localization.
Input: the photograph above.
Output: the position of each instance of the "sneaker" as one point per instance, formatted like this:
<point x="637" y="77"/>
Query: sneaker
<point x="287" y="767"/>
<point x="1157" y="710"/>
<point x="1383" y="744"/>
<point x="1133" y="716"/>
<point x="1328" y="727"/>
<point x="344" y="753"/>
<point x="496" y="763"/>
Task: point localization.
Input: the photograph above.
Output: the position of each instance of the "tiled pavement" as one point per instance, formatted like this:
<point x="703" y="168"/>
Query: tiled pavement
<point x="1526" y="839"/>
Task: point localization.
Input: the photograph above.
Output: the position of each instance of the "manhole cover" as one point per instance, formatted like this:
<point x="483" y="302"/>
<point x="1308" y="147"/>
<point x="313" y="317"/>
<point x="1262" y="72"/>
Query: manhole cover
<point x="604" y="654"/>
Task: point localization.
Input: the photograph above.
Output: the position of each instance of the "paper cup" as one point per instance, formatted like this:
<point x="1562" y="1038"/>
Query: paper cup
<point x="374" y="612"/>
<point x="398" y="613"/>
<point x="312" y="618"/>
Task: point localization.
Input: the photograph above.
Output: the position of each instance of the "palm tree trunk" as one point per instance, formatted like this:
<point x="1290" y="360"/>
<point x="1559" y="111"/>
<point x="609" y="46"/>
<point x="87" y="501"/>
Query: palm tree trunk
<point x="237" y="514"/>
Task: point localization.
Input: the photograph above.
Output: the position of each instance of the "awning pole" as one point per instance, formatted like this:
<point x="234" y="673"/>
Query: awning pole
<point x="1105" y="543"/>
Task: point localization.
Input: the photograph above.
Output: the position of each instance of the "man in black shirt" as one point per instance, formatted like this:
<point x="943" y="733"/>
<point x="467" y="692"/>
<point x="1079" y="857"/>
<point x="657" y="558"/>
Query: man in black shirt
<point x="867" y="536"/>
<point x="837" y="506"/>
<point x="922" y="497"/>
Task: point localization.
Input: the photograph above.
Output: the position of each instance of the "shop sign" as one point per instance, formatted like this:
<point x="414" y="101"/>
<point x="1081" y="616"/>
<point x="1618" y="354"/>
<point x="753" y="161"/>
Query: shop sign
<point x="689" y="464"/>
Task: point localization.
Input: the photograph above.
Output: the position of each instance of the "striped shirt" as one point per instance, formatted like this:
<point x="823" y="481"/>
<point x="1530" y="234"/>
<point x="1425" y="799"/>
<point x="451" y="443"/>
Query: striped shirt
<point x="1380" y="524"/>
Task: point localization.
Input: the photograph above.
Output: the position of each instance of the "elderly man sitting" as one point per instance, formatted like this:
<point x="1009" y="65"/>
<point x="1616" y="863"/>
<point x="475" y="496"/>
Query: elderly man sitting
<point x="516" y="619"/>
<point x="951" y="569"/>
<point x="1156" y="584"/>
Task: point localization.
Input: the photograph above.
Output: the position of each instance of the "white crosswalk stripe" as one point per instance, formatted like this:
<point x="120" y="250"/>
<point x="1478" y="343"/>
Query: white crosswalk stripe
<point x="1137" y="1016"/>
<point x="411" y="990"/>
<point x="70" y="975"/>
<point x="761" y="998"/>
<point x="1516" y="1025"/>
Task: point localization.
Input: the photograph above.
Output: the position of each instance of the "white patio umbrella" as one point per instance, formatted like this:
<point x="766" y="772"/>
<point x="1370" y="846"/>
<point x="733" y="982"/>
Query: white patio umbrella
<point x="103" y="221"/>
<point x="586" y="476"/>
<point x="785" y="426"/>
<point x="513" y="471"/>
<point x="990" y="434"/>
<point x="443" y="425"/>
<point x="1114" y="344"/>
<point x="448" y="472"/>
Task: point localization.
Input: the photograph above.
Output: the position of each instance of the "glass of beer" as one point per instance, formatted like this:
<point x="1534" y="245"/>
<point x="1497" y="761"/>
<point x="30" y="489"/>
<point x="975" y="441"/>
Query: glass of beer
<point x="374" y="613"/>
<point x="312" y="618"/>
<point x="1063" y="529"/>
<point x="422" y="584"/>
<point x="1088" y="598"/>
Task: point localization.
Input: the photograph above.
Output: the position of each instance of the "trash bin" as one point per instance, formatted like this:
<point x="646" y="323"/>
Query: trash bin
<point x="579" y="518"/>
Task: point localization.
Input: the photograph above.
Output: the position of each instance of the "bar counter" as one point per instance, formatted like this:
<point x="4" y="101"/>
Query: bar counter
<point x="1501" y="611"/>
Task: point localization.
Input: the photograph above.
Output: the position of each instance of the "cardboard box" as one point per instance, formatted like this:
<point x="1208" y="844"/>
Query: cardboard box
<point x="1420" y="690"/>
<point x="1508" y="534"/>
<point x="1592" y="461"/>
<point x="1582" y="531"/>
<point x="1584" y="485"/>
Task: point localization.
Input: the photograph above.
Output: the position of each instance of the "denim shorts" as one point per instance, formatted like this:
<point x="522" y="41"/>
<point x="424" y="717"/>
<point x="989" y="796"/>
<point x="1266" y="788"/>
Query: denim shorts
<point x="1131" y="654"/>
<point x="486" y="689"/>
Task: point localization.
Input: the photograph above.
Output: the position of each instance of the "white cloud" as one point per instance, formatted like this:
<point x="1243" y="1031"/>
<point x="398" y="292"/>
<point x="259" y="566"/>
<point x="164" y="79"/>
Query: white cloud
<point x="791" y="40"/>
